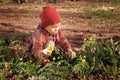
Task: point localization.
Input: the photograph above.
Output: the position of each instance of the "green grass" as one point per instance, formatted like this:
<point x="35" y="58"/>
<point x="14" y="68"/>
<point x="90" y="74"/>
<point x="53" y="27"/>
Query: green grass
<point x="95" y="58"/>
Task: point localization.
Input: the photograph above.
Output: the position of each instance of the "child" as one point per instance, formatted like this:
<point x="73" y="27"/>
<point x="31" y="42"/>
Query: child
<point x="48" y="35"/>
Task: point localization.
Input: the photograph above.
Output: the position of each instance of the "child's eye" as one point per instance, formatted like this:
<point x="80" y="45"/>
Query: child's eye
<point x="55" y="26"/>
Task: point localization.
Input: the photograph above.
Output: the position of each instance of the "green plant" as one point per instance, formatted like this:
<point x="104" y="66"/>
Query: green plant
<point x="103" y="56"/>
<point x="23" y="69"/>
<point x="83" y="68"/>
<point x="96" y="57"/>
<point x="110" y="62"/>
<point x="58" y="67"/>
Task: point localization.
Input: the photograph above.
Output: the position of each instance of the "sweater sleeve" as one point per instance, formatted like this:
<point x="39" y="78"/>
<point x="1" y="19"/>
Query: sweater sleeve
<point x="35" y="44"/>
<point x="37" y="48"/>
<point x="63" y="41"/>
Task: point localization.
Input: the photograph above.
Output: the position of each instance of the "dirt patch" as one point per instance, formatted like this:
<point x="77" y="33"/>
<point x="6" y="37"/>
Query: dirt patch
<point x="23" y="19"/>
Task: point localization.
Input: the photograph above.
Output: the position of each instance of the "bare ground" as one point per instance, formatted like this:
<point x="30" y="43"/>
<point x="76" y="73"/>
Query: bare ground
<point x="22" y="19"/>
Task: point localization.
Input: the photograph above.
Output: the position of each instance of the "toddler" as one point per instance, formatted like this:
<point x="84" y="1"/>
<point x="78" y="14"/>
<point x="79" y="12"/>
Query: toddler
<point x="48" y="35"/>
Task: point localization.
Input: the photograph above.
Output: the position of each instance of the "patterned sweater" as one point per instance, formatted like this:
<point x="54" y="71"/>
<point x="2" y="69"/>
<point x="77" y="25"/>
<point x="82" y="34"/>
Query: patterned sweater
<point x="40" y="37"/>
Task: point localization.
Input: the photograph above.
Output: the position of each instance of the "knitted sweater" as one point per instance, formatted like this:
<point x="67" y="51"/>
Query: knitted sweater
<point x="40" y="37"/>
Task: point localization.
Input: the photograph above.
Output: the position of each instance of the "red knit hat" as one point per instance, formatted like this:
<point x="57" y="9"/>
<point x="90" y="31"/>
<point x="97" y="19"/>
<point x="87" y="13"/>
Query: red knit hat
<point x="49" y="16"/>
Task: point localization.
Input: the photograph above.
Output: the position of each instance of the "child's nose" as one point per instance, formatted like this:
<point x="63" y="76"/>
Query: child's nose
<point x="55" y="30"/>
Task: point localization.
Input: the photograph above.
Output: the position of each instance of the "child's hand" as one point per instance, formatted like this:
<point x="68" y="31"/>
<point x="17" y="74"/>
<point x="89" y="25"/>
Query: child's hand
<point x="46" y="52"/>
<point x="49" y="48"/>
<point x="44" y="62"/>
<point x="71" y="54"/>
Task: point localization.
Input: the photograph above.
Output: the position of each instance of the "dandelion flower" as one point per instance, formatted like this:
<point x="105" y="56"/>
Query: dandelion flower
<point x="21" y="59"/>
<point x="48" y="60"/>
<point x="83" y="60"/>
<point x="54" y="58"/>
<point x="30" y="61"/>
<point x="84" y="56"/>
<point x="85" y="39"/>
<point x="58" y="57"/>
<point x="59" y="63"/>
<point x="90" y="38"/>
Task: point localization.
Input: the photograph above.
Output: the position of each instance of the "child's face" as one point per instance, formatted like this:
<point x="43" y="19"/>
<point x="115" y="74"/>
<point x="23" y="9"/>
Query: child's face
<point x="53" y="29"/>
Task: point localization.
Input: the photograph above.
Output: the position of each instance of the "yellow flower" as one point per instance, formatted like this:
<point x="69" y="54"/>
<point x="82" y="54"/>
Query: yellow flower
<point x="84" y="56"/>
<point x="90" y="38"/>
<point x="50" y="48"/>
<point x="59" y="63"/>
<point x="58" y="57"/>
<point x="48" y="60"/>
<point x="21" y="59"/>
<point x="54" y="58"/>
<point x="30" y="61"/>
<point x="85" y="39"/>
<point x="83" y="60"/>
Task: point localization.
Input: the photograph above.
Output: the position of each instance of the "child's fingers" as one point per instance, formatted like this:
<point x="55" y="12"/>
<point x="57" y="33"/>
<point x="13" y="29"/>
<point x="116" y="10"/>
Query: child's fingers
<point x="73" y="55"/>
<point x="49" y="53"/>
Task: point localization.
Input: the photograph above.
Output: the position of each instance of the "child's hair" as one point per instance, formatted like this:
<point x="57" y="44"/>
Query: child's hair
<point x="49" y="16"/>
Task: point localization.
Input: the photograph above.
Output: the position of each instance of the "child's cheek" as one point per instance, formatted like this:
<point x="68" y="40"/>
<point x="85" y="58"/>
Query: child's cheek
<point x="52" y="31"/>
<point x="55" y="31"/>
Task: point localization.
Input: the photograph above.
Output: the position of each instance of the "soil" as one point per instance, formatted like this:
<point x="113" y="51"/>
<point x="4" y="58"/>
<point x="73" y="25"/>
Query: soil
<point x="23" y="18"/>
